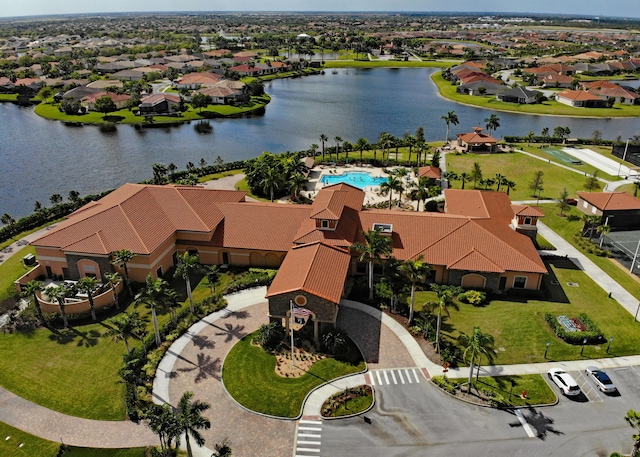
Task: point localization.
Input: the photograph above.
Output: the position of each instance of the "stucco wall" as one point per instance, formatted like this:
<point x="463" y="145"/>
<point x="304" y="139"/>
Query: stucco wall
<point x="324" y="310"/>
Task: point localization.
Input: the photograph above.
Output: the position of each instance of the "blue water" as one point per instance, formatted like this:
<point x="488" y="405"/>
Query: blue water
<point x="359" y="179"/>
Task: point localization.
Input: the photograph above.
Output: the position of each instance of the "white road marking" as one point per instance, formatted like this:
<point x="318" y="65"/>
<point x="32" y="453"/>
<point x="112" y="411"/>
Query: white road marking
<point x="525" y="425"/>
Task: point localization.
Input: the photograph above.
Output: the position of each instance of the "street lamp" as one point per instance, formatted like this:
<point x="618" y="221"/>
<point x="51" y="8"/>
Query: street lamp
<point x="609" y="345"/>
<point x="624" y="156"/>
<point x="547" y="349"/>
<point x="584" y="341"/>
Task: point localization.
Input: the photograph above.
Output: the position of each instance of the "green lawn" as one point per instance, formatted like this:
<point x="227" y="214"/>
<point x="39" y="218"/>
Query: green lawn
<point x="386" y="64"/>
<point x="249" y="376"/>
<point x="521" y="332"/>
<point x="8" y="97"/>
<point x="520" y="169"/>
<point x="11" y="270"/>
<point x="511" y="387"/>
<point x="32" y="446"/>
<point x="215" y="176"/>
<point x="549" y="107"/>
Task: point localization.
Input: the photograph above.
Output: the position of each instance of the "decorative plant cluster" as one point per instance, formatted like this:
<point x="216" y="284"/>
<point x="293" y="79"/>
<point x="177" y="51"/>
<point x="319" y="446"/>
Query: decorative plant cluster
<point x="587" y="245"/>
<point x="303" y="360"/>
<point x="585" y="329"/>
<point x="473" y="297"/>
<point x="337" y="404"/>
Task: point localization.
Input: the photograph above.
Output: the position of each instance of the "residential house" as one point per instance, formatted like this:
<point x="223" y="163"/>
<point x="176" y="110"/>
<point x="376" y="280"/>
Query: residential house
<point x="198" y="80"/>
<point x="580" y="99"/>
<point x="519" y="95"/>
<point x="482" y="87"/>
<point x="120" y="100"/>
<point x="159" y="104"/>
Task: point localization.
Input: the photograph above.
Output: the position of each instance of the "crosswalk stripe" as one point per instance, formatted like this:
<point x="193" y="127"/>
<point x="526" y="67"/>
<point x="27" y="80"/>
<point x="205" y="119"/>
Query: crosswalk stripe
<point x="415" y="374"/>
<point x="306" y="449"/>
<point x="379" y="378"/>
<point x="311" y="429"/>
<point x="307" y="421"/>
<point x="408" y="373"/>
<point x="308" y="435"/>
<point x="393" y="375"/>
<point x="371" y="379"/>
<point x="386" y="377"/>
<point x="309" y="443"/>
<point x="401" y="377"/>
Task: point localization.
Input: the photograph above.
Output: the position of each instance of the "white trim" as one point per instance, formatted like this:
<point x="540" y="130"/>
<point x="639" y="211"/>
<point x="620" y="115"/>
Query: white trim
<point x="514" y="282"/>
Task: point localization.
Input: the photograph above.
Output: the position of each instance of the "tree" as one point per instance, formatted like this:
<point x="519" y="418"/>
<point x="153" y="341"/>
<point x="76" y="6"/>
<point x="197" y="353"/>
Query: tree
<point x="74" y="196"/>
<point x="361" y="145"/>
<point x="536" y="184"/>
<point x="187" y="265"/>
<point x="124" y="327"/>
<point x="59" y="293"/>
<point x="375" y="246"/>
<point x="500" y="180"/>
<point x="476" y="345"/>
<point x="591" y="183"/>
<point x="323" y="138"/>
<point x="450" y="118"/>
<point x="420" y="191"/>
<point x="385" y="141"/>
<point x="114" y="278"/>
<point x="104" y="105"/>
<point x="212" y="272"/>
<point x="191" y="421"/>
<point x="55" y="199"/>
<point x="604" y="229"/>
<point x="272" y="180"/>
<point x="510" y="185"/>
<point x="545" y="132"/>
<point x="476" y="174"/>
<point x="414" y="271"/>
<point x="155" y="294"/>
<point x="159" y="173"/>
<point x="297" y="183"/>
<point x="199" y="101"/>
<point x="435" y="159"/>
<point x="445" y="295"/>
<point x="32" y="290"/>
<point x="70" y="105"/>
<point x="392" y="184"/>
<point x="222" y="449"/>
<point x="633" y="419"/>
<point x="7" y="219"/>
<point x="121" y="258"/>
<point x="162" y="421"/>
<point x="338" y="140"/>
<point x="596" y="135"/>
<point x="590" y="224"/>
<point x="465" y="178"/>
<point x="563" y="202"/>
<point x="88" y="285"/>
<point x="492" y="123"/>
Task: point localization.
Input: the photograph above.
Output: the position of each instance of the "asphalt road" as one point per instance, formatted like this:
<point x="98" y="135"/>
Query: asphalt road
<point x="418" y="420"/>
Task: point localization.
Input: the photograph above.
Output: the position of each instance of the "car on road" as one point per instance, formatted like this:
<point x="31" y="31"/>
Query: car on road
<point x="564" y="381"/>
<point x="601" y="379"/>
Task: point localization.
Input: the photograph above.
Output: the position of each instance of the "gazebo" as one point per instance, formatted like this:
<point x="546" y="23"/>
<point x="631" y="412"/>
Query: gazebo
<point x="476" y="141"/>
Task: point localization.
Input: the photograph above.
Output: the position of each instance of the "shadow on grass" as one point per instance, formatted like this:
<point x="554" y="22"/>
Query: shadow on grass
<point x="70" y="335"/>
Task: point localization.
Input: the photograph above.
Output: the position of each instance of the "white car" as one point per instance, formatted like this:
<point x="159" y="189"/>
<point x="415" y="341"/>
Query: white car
<point x="602" y="380"/>
<point x="564" y="381"/>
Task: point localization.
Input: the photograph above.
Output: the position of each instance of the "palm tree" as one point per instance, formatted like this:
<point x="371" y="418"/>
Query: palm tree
<point x="376" y="246"/>
<point x="33" y="288"/>
<point x="123" y="327"/>
<point x="163" y="422"/>
<point x="361" y="145"/>
<point x="88" y="284"/>
<point x="297" y="182"/>
<point x="414" y="271"/>
<point x="272" y="179"/>
<point x="338" y="140"/>
<point x="420" y="191"/>
<point x="187" y="265"/>
<point x="385" y="141"/>
<point x="450" y="118"/>
<point x="604" y="229"/>
<point x="500" y="180"/>
<point x="633" y="419"/>
<point x="59" y="293"/>
<point x="121" y="258"/>
<point x="401" y="173"/>
<point x="476" y="345"/>
<point x="464" y="178"/>
<point x="476" y="173"/>
<point x="191" y="421"/>
<point x="445" y="295"/>
<point x="492" y="122"/>
<point x="510" y="185"/>
<point x="155" y="294"/>
<point x="409" y="140"/>
<point x="114" y="279"/>
<point x="392" y="184"/>
<point x="313" y="149"/>
<point x="323" y="138"/>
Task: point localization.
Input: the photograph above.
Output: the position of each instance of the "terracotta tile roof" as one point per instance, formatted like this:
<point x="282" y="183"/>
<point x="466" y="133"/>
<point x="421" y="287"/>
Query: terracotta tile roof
<point x="151" y="100"/>
<point x="316" y="268"/>
<point x="138" y="217"/>
<point x="611" y="201"/>
<point x="476" y="137"/>
<point x="475" y="260"/>
<point x="429" y="172"/>
<point x="524" y="210"/>
<point x="577" y="95"/>
<point x="199" y="78"/>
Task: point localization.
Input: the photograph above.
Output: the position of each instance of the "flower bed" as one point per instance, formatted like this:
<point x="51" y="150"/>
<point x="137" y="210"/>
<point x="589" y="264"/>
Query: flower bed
<point x="574" y="330"/>
<point x="352" y="401"/>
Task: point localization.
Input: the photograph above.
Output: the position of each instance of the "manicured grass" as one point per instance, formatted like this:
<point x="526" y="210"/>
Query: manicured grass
<point x="520" y="169"/>
<point x="8" y="97"/>
<point x="549" y="107"/>
<point x="511" y="387"/>
<point x="354" y="406"/>
<point x="11" y="270"/>
<point x="243" y="185"/>
<point x="386" y="64"/>
<point x="567" y="229"/>
<point x="521" y="332"/>
<point x="249" y="376"/>
<point x="32" y="446"/>
<point x="223" y="174"/>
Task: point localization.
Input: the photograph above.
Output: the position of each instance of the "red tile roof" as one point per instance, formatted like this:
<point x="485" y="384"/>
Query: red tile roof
<point x="611" y="201"/>
<point x="524" y="210"/>
<point x="429" y="172"/>
<point x="577" y="95"/>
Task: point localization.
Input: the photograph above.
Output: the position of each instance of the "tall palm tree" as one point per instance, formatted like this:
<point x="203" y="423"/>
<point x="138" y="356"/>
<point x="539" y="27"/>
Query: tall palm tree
<point x="187" y="265"/>
<point x="476" y="174"/>
<point x="59" y="293"/>
<point x="32" y="290"/>
<point x="162" y="421"/>
<point x="492" y="123"/>
<point x="123" y="327"/>
<point x="410" y="141"/>
<point x="296" y="183"/>
<point x="633" y="419"/>
<point x="323" y="138"/>
<point x="88" y="285"/>
<point x="114" y="279"/>
<point x="272" y="179"/>
<point x="361" y="145"/>
<point x="414" y="271"/>
<point x="122" y="258"/>
<point x="155" y="294"/>
<point x="500" y="180"/>
<point x="212" y="272"/>
<point x="420" y="191"/>
<point x="313" y="149"/>
<point x="401" y="173"/>
<point x="393" y="184"/>
<point x="376" y="246"/>
<point x="445" y="295"/>
<point x="191" y="420"/>
<point x="338" y="140"/>
<point x="510" y="185"/>
<point x="476" y="345"/>
<point x="450" y="118"/>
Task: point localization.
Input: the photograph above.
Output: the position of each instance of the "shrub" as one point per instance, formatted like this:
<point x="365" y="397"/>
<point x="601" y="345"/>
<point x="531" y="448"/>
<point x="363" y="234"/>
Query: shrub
<point x="592" y="332"/>
<point x="270" y="336"/>
<point x="334" y="341"/>
<point x="473" y="297"/>
<point x="443" y="382"/>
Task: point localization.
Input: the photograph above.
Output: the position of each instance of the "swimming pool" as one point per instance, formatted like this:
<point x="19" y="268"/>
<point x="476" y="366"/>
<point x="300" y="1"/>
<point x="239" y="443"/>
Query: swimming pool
<point x="359" y="179"/>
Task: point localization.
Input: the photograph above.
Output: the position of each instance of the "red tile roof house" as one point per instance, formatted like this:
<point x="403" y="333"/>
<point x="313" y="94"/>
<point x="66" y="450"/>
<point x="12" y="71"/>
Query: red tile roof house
<point x="120" y="100"/>
<point x="580" y="99"/>
<point x="159" y="104"/>
<point x="622" y="209"/>
<point x="476" y="141"/>
<point x="477" y="244"/>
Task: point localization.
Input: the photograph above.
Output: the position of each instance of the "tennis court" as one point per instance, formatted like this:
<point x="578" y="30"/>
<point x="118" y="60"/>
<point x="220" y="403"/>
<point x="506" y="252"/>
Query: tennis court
<point x="624" y="247"/>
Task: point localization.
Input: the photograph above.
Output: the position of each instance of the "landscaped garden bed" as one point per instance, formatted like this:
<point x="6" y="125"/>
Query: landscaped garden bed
<point x="575" y="330"/>
<point x="352" y="401"/>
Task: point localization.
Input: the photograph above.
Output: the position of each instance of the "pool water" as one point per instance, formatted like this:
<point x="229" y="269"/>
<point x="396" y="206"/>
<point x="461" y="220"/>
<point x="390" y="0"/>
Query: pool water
<point x="359" y="179"/>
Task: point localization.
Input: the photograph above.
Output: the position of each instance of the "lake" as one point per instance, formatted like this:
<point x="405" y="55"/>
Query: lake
<point x="39" y="157"/>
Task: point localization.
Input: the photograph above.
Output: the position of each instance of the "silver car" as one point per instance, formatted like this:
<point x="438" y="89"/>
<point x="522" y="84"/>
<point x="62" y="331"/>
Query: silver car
<point x="602" y="380"/>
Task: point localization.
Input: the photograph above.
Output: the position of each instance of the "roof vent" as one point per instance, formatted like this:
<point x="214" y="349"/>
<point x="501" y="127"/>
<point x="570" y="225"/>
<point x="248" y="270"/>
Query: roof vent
<point x="385" y="229"/>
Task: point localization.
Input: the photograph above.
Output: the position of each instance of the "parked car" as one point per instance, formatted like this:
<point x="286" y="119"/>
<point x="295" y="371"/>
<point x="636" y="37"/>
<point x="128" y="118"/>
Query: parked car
<point x="602" y="380"/>
<point x="564" y="381"/>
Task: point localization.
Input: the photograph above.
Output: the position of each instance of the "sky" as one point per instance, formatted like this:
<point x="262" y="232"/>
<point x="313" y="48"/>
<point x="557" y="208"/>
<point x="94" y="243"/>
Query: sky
<point x="620" y="8"/>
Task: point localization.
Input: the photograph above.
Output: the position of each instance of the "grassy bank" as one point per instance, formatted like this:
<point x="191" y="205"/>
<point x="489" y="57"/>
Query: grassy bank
<point x="547" y="108"/>
<point x="387" y="64"/>
<point x="510" y="388"/>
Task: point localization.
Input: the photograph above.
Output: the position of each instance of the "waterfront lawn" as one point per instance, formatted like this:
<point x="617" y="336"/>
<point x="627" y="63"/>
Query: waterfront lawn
<point x="8" y="97"/>
<point x="519" y="168"/>
<point x="550" y="107"/>
<point x="33" y="446"/>
<point x="511" y="387"/>
<point x="222" y="174"/>
<point x="388" y="64"/>
<point x="250" y="378"/>
<point x="11" y="270"/>
<point x="519" y="328"/>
